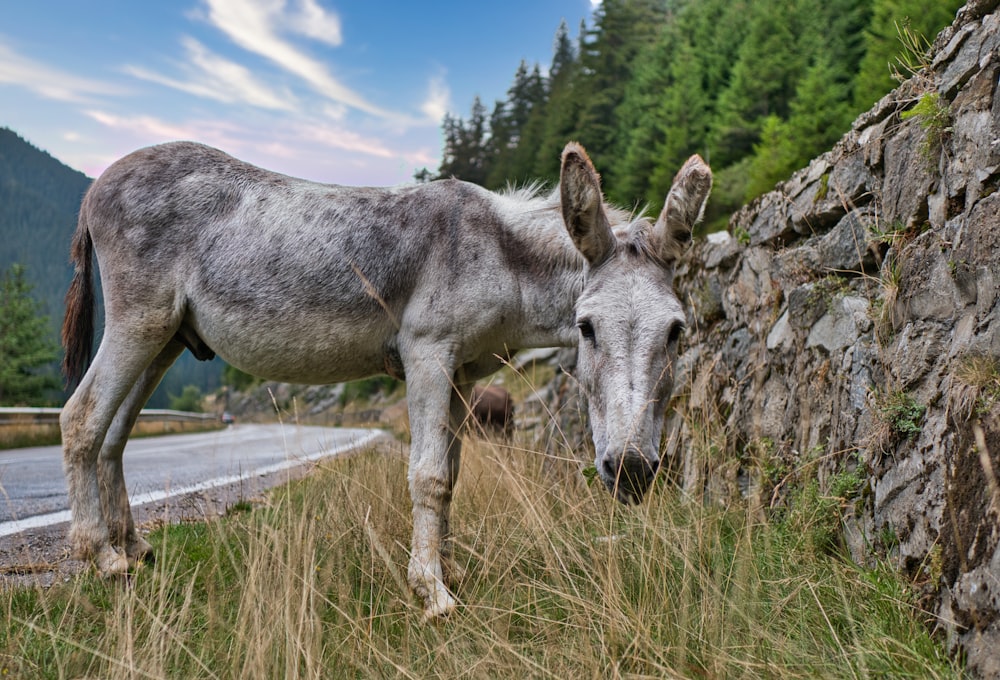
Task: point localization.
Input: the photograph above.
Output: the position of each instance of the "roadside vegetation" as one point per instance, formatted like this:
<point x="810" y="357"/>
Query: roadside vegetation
<point x="556" y="582"/>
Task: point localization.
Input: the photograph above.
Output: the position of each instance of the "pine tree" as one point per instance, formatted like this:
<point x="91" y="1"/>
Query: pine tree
<point x="622" y="29"/>
<point x="522" y="162"/>
<point x="820" y="114"/>
<point x="512" y="159"/>
<point x="644" y="116"/>
<point x="465" y="146"/>
<point x="763" y="80"/>
<point x="25" y="350"/>
<point x="562" y="107"/>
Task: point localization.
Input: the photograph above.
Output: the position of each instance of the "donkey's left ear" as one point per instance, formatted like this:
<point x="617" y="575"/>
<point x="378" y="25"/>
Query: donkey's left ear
<point x="582" y="205"/>
<point x="683" y="209"/>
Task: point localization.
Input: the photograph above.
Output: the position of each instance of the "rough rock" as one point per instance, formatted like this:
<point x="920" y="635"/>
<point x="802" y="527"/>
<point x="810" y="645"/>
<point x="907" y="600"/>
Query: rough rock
<point x="875" y="272"/>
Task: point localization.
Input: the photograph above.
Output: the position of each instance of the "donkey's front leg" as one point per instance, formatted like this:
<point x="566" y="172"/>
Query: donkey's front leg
<point x="459" y="412"/>
<point x="431" y="477"/>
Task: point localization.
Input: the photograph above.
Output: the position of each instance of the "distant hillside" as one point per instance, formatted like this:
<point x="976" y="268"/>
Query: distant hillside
<point x="39" y="200"/>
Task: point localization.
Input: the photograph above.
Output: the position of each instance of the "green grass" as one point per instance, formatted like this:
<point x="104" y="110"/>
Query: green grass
<point x="556" y="584"/>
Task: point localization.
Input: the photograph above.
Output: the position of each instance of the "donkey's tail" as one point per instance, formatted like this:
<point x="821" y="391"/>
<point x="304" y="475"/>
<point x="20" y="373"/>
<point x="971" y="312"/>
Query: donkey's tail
<point x="78" y="324"/>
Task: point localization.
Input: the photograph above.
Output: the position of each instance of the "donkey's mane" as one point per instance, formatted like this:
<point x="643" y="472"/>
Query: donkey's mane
<point x="547" y="198"/>
<point x="535" y="221"/>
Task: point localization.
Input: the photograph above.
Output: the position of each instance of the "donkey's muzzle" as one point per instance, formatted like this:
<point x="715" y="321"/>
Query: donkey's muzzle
<point x="629" y="475"/>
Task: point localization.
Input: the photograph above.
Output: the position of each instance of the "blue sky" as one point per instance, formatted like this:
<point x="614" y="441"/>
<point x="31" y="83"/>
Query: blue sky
<point x="344" y="91"/>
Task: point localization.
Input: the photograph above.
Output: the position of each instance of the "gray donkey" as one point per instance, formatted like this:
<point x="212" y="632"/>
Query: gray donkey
<point x="312" y="283"/>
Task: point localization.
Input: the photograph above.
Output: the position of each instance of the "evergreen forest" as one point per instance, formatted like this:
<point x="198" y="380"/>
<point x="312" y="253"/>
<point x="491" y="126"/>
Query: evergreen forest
<point x="757" y="88"/>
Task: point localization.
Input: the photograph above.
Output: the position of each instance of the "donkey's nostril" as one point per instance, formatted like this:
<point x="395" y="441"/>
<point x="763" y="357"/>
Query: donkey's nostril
<point x="610" y="468"/>
<point x="629" y="475"/>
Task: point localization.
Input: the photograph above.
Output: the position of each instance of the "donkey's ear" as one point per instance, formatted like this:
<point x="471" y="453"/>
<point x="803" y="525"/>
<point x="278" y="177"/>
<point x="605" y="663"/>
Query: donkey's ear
<point x="583" y="205"/>
<point x="683" y="209"/>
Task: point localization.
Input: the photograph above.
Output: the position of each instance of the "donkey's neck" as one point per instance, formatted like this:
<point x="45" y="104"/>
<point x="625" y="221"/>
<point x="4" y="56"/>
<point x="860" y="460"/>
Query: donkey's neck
<point x="548" y="268"/>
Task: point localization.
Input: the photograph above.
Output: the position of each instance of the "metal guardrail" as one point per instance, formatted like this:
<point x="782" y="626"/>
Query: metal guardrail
<point x="43" y="416"/>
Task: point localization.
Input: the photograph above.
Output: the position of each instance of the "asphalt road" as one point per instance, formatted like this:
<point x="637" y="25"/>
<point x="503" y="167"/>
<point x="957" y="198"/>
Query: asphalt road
<point x="33" y="486"/>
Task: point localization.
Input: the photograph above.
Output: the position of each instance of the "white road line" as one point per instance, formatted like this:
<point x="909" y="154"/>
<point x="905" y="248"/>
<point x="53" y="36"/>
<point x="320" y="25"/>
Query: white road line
<point x="8" y="528"/>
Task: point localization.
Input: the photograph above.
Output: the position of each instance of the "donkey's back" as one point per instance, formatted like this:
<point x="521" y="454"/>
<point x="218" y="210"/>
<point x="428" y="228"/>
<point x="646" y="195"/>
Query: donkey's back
<point x="285" y="278"/>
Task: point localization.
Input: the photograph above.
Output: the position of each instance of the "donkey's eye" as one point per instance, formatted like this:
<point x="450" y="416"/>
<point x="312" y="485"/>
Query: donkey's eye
<point x="675" y="333"/>
<point x="586" y="330"/>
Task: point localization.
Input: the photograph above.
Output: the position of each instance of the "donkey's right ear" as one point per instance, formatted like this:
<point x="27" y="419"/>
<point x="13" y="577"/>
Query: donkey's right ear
<point x="683" y="208"/>
<point x="583" y="205"/>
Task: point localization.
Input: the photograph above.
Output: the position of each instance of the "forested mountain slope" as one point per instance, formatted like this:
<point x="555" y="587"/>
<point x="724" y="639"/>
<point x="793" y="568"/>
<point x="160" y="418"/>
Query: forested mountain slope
<point x="757" y="88"/>
<point x="39" y="201"/>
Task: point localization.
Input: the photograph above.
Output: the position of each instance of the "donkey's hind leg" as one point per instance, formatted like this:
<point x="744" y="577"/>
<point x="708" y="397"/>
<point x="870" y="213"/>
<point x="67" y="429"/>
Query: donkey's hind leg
<point x="110" y="473"/>
<point x="85" y="421"/>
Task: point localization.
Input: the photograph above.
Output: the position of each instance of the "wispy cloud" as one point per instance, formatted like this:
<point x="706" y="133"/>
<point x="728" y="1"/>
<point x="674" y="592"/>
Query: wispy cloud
<point x="260" y="26"/>
<point x="438" y="100"/>
<point x="312" y="21"/>
<point x="297" y="134"/>
<point x="154" y="129"/>
<point x="209" y="75"/>
<point x="345" y="140"/>
<point x="49" y="82"/>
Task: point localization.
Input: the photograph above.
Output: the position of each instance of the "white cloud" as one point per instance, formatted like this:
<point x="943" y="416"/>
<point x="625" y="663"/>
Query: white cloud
<point x="345" y="140"/>
<point x="214" y="77"/>
<point x="145" y="127"/>
<point x="314" y="22"/>
<point x="49" y="82"/>
<point x="312" y="148"/>
<point x="438" y="100"/>
<point x="255" y="25"/>
<point x="290" y="135"/>
<point x="335" y="111"/>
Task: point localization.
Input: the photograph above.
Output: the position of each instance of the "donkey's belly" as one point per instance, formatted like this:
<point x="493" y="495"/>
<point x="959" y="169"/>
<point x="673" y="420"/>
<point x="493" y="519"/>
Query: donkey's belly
<point x="288" y="350"/>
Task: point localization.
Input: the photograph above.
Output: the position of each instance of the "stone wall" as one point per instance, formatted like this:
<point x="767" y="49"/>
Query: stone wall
<point x="849" y="320"/>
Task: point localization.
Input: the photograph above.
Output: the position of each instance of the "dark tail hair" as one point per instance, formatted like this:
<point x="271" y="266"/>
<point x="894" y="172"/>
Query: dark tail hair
<point x="78" y="324"/>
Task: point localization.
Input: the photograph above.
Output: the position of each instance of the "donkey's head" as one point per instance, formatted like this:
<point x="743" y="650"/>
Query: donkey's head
<point x="628" y="316"/>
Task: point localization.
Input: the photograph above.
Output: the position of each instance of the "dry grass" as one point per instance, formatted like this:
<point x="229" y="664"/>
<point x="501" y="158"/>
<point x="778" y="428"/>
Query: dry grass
<point x="14" y="435"/>
<point x="556" y="584"/>
<point x="978" y="388"/>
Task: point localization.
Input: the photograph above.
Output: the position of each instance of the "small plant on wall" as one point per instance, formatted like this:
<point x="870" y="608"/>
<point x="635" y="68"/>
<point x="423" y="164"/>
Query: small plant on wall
<point x="934" y="116"/>
<point x="899" y="418"/>
<point x="979" y="374"/>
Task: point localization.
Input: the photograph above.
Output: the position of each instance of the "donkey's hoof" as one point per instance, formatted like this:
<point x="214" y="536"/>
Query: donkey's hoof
<point x="139" y="551"/>
<point x="440" y="607"/>
<point x="111" y="562"/>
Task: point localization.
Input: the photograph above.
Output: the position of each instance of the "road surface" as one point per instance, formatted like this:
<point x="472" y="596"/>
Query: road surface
<point x="33" y="486"/>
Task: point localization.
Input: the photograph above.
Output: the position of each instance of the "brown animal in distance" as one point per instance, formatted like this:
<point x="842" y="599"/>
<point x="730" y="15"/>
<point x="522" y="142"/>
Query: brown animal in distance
<point x="493" y="409"/>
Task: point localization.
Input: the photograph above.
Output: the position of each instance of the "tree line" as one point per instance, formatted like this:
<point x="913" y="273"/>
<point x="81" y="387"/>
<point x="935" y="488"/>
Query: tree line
<point x="757" y="88"/>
